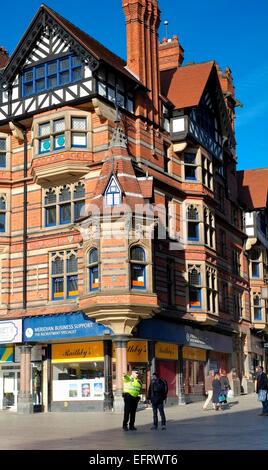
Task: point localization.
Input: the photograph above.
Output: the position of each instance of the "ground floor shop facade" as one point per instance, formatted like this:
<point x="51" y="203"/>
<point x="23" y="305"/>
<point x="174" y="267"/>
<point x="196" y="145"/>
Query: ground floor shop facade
<point x="68" y="362"/>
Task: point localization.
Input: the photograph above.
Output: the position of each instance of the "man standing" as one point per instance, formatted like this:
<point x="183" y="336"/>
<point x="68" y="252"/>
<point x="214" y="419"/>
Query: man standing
<point x="157" y="393"/>
<point x="208" y="388"/>
<point x="262" y="384"/>
<point x="132" y="388"/>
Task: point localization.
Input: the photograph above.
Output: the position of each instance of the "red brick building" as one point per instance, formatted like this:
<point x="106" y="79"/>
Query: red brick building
<point x="121" y="229"/>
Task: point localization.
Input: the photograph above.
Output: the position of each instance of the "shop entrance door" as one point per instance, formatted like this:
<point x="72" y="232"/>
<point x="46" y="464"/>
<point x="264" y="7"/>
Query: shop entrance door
<point x="10" y="389"/>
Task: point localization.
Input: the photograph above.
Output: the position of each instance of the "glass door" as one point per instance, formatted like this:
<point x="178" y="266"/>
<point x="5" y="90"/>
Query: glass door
<point x="10" y="389"/>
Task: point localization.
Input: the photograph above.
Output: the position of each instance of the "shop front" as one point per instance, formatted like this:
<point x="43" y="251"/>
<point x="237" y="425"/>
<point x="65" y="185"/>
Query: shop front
<point x="166" y="366"/>
<point x="194" y="364"/>
<point x="10" y="333"/>
<point x="72" y="374"/>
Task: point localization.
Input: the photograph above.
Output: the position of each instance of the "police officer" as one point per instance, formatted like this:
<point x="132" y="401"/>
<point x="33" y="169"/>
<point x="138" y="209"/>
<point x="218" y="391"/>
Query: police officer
<point x="132" y="388"/>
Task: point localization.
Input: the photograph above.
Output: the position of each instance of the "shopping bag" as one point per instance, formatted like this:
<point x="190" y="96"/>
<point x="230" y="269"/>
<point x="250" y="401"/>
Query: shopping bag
<point x="262" y="395"/>
<point x="230" y="394"/>
<point x="222" y="397"/>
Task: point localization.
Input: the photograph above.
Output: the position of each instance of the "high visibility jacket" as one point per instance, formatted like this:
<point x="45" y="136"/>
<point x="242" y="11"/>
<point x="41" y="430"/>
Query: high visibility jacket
<point x="131" y="385"/>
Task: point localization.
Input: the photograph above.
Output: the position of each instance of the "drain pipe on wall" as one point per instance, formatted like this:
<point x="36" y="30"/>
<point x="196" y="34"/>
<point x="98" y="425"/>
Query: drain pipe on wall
<point x="19" y="132"/>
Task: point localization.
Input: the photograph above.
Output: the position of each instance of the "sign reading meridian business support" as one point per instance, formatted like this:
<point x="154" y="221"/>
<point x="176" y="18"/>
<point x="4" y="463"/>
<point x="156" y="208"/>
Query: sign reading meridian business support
<point x="53" y="327"/>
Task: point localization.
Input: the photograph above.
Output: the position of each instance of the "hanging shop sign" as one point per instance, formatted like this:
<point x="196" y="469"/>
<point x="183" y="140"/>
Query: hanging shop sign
<point x="6" y="353"/>
<point x="166" y="351"/>
<point x="194" y="354"/>
<point x="10" y="331"/>
<point x="54" y="327"/>
<point x="78" y="352"/>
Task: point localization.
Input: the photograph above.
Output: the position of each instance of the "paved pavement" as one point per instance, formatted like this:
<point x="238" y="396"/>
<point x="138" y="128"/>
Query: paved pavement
<point x="188" y="428"/>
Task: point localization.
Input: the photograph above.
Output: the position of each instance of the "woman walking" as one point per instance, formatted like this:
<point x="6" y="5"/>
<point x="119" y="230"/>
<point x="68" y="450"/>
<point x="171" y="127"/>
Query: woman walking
<point x="216" y="388"/>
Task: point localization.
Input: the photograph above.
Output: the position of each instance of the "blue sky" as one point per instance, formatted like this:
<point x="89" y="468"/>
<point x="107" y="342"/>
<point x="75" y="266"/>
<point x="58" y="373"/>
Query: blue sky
<point x="232" y="32"/>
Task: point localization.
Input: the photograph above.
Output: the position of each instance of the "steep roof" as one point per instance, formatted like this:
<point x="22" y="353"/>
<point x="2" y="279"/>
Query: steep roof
<point x="91" y="45"/>
<point x="253" y="188"/>
<point x="184" y="86"/>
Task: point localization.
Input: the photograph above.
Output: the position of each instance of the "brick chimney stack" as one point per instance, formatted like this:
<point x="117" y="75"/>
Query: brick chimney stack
<point x="4" y="57"/>
<point x="171" y="53"/>
<point x="142" y="22"/>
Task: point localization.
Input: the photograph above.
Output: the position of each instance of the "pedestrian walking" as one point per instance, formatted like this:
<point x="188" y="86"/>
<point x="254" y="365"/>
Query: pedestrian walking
<point x="216" y="389"/>
<point x="262" y="389"/>
<point x="225" y="386"/>
<point x="131" y="391"/>
<point x="208" y="388"/>
<point x="157" y="394"/>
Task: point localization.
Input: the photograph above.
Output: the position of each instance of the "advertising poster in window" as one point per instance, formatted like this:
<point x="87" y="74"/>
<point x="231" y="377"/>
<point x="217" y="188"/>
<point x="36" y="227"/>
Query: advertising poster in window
<point x="78" y="390"/>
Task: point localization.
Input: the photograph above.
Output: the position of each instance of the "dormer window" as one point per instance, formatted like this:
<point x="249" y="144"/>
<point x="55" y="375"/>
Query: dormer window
<point x="51" y="75"/>
<point x="113" y="194"/>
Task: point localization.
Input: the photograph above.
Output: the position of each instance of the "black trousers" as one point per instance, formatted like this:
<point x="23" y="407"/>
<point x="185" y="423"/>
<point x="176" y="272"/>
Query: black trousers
<point x="131" y="404"/>
<point x="158" y="407"/>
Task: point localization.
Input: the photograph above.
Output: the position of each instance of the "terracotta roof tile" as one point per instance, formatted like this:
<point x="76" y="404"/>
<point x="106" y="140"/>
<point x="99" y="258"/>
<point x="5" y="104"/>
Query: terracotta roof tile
<point x="184" y="86"/>
<point x="253" y="188"/>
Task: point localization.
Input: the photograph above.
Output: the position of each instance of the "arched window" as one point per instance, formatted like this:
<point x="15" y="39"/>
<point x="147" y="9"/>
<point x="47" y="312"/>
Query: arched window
<point x="2" y="214"/>
<point x="195" y="287"/>
<point x="65" y="205"/>
<point x="93" y="270"/>
<point x="138" y="267"/>
<point x="64" y="275"/>
<point x="192" y="224"/>
<point x="113" y="194"/>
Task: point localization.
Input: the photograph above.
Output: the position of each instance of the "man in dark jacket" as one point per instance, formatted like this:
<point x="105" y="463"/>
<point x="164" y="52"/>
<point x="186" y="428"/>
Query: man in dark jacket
<point x="157" y="394"/>
<point x="262" y="384"/>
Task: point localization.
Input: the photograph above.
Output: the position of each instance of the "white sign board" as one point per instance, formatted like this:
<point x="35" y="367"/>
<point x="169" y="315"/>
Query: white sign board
<point x="74" y="390"/>
<point x="11" y="331"/>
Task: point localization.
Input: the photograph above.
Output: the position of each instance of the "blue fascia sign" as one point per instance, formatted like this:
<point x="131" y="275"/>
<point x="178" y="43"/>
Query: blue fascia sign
<point x="63" y="326"/>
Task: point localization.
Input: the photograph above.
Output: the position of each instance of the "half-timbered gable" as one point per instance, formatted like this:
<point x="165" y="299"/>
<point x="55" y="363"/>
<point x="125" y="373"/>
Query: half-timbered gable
<point x="54" y="65"/>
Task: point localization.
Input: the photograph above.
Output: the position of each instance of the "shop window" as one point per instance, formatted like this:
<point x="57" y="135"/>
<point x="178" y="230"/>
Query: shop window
<point x="64" y="275"/>
<point x="3" y="153"/>
<point x="195" y="289"/>
<point x="192" y="224"/>
<point x="64" y="204"/>
<point x="93" y="270"/>
<point x="257" y="308"/>
<point x="138" y="268"/>
<point x="113" y="194"/>
<point x="51" y="75"/>
<point x="190" y="167"/>
<point x="3" y="210"/>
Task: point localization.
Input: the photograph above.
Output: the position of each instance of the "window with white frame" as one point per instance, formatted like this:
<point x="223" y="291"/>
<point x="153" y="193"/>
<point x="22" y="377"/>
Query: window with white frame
<point x="93" y="269"/>
<point x="113" y="193"/>
<point x="64" y="132"/>
<point x="190" y="166"/>
<point x="3" y="152"/>
<point x="207" y="172"/>
<point x="195" y="286"/>
<point x="212" y="293"/>
<point x="255" y="263"/>
<point x="64" y="204"/>
<point x="193" y="229"/>
<point x="137" y="268"/>
<point x="3" y="210"/>
<point x="209" y="228"/>
<point x="115" y="89"/>
<point x="257" y="307"/>
<point x="64" y="275"/>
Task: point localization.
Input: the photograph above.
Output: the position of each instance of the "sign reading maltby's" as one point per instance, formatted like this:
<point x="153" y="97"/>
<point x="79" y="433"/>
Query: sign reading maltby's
<point x="78" y="352"/>
<point x="10" y="331"/>
<point x="166" y="351"/>
<point x="137" y="351"/>
<point x="53" y="327"/>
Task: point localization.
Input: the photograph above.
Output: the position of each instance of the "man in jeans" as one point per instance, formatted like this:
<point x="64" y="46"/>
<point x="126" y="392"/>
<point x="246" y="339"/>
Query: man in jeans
<point x="208" y="388"/>
<point x="262" y="384"/>
<point x="157" y="394"/>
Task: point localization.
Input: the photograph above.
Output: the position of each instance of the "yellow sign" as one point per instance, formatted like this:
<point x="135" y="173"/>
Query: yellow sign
<point x="137" y="351"/>
<point x="194" y="354"/>
<point x="78" y="352"/>
<point x="166" y="351"/>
